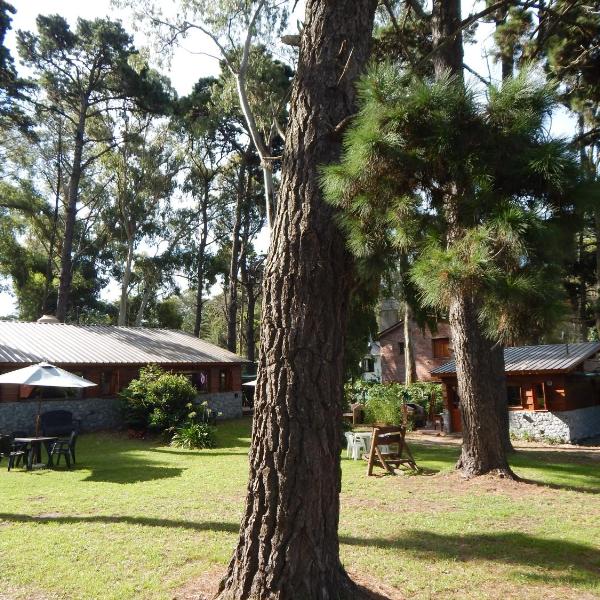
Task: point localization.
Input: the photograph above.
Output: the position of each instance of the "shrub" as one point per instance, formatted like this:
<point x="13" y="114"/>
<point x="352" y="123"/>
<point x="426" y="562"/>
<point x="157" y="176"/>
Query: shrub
<point x="158" y="399"/>
<point x="194" y="435"/>
<point x="384" y="402"/>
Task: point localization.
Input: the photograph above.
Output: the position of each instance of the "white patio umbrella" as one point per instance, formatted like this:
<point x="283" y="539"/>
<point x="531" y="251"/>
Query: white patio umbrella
<point x="250" y="383"/>
<point x="44" y="375"/>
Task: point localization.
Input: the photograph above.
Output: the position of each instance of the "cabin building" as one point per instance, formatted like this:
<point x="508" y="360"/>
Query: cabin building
<point x="553" y="391"/>
<point x="111" y="357"/>
<point x="431" y="349"/>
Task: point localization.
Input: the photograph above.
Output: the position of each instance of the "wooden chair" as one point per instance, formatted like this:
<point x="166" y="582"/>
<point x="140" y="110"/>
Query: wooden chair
<point x="389" y="450"/>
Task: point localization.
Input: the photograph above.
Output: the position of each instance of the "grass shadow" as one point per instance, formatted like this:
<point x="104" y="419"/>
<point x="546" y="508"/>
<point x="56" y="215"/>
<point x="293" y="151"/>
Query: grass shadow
<point x="224" y="527"/>
<point x="562" y="561"/>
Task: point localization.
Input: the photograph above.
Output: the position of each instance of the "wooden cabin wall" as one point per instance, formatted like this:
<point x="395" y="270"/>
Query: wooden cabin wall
<point x="582" y="392"/>
<point x="119" y="377"/>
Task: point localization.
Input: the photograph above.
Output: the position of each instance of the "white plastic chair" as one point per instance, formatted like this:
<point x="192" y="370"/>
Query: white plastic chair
<point x="360" y="445"/>
<point x="350" y="444"/>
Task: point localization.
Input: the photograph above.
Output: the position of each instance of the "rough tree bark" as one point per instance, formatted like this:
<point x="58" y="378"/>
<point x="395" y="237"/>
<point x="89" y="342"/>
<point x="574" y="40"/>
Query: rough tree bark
<point x="479" y="362"/>
<point x="482" y="392"/>
<point x="288" y="546"/>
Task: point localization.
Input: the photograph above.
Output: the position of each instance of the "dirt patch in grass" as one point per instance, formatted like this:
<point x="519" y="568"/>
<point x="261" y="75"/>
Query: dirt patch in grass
<point x="205" y="587"/>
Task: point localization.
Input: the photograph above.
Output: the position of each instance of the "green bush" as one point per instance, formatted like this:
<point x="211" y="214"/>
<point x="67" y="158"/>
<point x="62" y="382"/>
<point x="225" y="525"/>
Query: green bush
<point x="158" y="399"/>
<point x="384" y="402"/>
<point x="194" y="435"/>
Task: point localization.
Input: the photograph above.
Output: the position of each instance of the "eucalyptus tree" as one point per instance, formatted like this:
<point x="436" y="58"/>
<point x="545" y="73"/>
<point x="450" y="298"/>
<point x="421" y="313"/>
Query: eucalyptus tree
<point x="83" y="75"/>
<point x="208" y="135"/>
<point x="233" y="26"/>
<point x="143" y="171"/>
<point x="288" y="544"/>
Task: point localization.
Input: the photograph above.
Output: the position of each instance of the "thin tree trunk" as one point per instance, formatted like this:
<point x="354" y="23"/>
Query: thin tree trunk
<point x="582" y="294"/>
<point x="250" y="309"/>
<point x="122" y="318"/>
<point x="410" y="369"/>
<point x="232" y="303"/>
<point x="144" y="302"/>
<point x="66" y="262"/>
<point x="288" y="546"/>
<point x="507" y="59"/>
<point x="59" y="180"/>
<point x="201" y="259"/>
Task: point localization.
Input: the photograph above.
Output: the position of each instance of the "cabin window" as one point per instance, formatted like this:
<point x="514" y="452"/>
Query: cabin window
<point x="200" y="380"/>
<point x="401" y="348"/>
<point x="368" y="365"/>
<point x="539" y="397"/>
<point x="224" y="380"/>
<point x="441" y="347"/>
<point x="513" y="396"/>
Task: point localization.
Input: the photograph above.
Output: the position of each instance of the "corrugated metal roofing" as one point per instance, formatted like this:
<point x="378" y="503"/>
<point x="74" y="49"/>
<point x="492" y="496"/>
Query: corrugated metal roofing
<point x="82" y="344"/>
<point x="548" y="357"/>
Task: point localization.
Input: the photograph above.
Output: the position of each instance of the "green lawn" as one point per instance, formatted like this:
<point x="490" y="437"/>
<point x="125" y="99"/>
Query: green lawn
<point x="139" y="520"/>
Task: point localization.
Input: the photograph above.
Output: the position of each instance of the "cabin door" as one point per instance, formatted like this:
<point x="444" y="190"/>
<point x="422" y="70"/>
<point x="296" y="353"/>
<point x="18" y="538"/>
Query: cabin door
<point x="454" y="407"/>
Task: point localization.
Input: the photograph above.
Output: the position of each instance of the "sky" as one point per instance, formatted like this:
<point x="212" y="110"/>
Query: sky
<point x="190" y="62"/>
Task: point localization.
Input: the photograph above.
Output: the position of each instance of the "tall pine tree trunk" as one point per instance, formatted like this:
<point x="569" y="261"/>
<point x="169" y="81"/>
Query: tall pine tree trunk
<point x="66" y="261"/>
<point x="288" y="546"/>
<point x="482" y="392"/>
<point x="479" y="363"/>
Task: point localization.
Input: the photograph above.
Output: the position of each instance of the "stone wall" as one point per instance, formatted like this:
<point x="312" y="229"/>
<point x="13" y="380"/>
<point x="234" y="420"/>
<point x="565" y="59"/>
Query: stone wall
<point x="228" y="405"/>
<point x="94" y="413"/>
<point x="566" y="426"/>
<point x="100" y="413"/>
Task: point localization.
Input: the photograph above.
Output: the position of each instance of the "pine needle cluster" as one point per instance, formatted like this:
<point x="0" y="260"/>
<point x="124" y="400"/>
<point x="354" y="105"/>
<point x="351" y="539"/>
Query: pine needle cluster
<point x="417" y="145"/>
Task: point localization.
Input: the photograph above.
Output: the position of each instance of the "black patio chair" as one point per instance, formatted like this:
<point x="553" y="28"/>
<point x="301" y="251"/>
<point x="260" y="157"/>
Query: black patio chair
<point x="58" y="423"/>
<point x="15" y="452"/>
<point x="64" y="447"/>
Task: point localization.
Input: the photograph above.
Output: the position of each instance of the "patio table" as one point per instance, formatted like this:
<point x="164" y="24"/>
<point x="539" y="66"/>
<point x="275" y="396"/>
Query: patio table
<point x="35" y="443"/>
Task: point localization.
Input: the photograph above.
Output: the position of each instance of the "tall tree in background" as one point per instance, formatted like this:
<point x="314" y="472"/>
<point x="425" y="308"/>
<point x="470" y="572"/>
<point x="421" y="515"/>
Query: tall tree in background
<point x="83" y="75"/>
<point x="288" y="545"/>
<point x="232" y="26"/>
<point x="571" y="45"/>
<point x="12" y="87"/>
<point x="143" y="169"/>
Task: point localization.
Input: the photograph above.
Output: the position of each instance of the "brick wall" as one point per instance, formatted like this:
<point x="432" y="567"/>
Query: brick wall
<point x="392" y="357"/>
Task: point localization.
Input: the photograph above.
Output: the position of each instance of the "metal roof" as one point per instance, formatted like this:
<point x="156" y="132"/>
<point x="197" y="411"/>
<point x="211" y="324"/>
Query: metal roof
<point x="84" y="344"/>
<point x="548" y="357"/>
